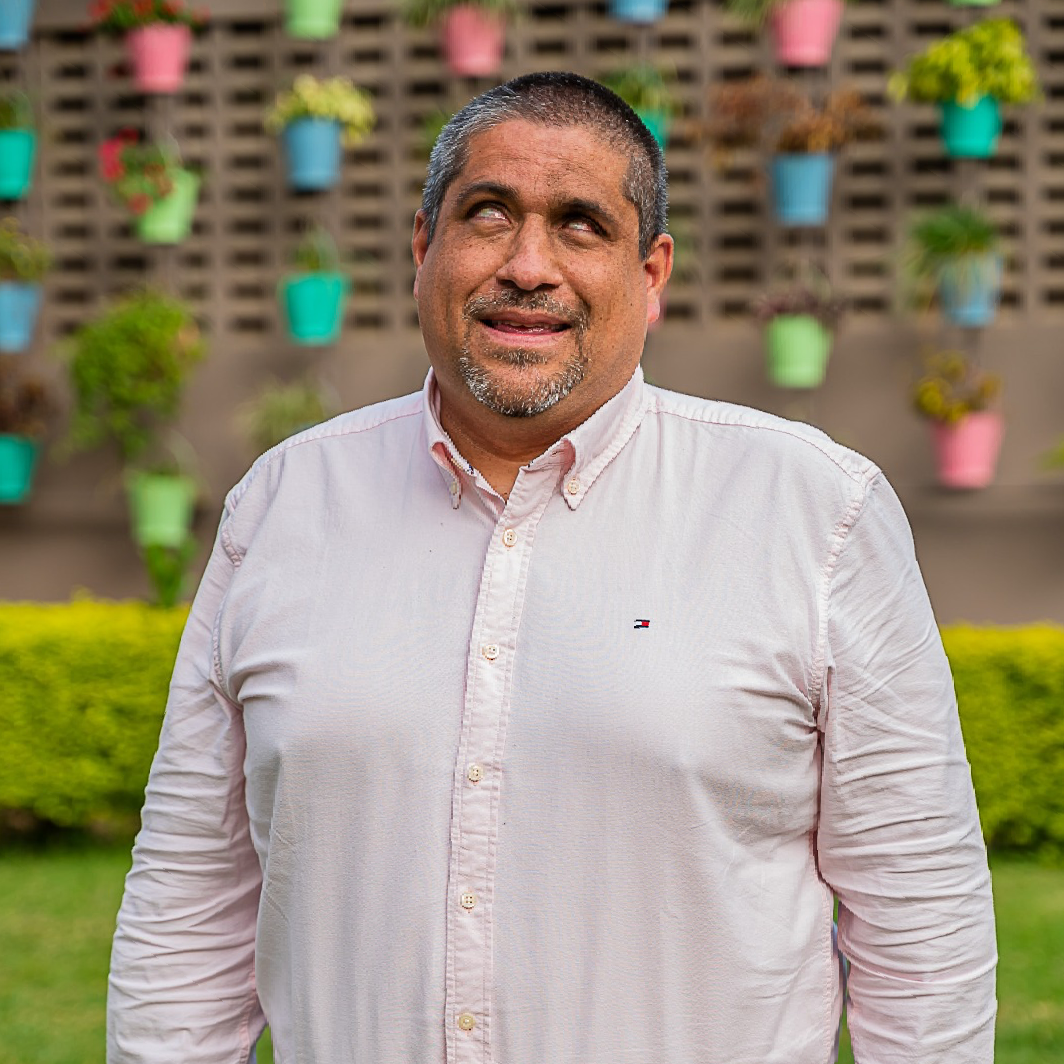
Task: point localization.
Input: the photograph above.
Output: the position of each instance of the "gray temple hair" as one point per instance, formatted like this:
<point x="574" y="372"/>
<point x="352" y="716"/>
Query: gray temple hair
<point x="556" y="99"/>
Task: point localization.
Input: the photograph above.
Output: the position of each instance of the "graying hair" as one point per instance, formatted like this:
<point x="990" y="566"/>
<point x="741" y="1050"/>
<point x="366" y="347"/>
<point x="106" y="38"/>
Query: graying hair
<point x="556" y="99"/>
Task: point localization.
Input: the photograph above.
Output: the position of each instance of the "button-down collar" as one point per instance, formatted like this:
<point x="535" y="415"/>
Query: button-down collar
<point x="580" y="455"/>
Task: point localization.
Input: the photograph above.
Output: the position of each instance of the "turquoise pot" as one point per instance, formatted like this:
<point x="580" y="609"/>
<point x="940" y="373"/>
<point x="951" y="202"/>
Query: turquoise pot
<point x="658" y="123"/>
<point x="801" y="187"/>
<point x="15" y="19"/>
<point x="970" y="289"/>
<point x="19" y="306"/>
<point x="312" y="149"/>
<point x="314" y="306"/>
<point x="971" y="132"/>
<point x="18" y="147"/>
<point x="18" y="459"/>
<point x="638" y="10"/>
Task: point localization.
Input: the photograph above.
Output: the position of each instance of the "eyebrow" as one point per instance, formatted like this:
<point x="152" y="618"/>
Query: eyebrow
<point x="501" y="191"/>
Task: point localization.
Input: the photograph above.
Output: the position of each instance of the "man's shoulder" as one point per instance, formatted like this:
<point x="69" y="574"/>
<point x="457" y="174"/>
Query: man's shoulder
<point x="759" y="432"/>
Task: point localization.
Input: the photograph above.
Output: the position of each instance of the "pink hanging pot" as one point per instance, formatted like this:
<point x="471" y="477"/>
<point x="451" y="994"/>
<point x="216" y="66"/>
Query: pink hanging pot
<point x="159" y="54"/>
<point x="805" y="31"/>
<point x="967" y="452"/>
<point x="472" y="40"/>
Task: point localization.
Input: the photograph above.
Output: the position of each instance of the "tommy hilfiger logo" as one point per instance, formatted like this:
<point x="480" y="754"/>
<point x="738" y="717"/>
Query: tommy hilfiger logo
<point x="642" y="622"/>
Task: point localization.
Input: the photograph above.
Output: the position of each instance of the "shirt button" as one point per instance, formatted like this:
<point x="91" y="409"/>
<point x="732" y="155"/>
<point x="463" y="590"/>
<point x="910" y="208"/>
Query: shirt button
<point x="454" y="487"/>
<point x="509" y="537"/>
<point x="475" y="774"/>
<point x="491" y="651"/>
<point x="469" y="900"/>
<point x="573" y="486"/>
<point x="467" y="1021"/>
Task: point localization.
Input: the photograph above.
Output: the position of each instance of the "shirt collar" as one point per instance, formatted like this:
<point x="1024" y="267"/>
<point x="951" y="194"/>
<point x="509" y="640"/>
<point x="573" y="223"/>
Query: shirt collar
<point x="580" y="455"/>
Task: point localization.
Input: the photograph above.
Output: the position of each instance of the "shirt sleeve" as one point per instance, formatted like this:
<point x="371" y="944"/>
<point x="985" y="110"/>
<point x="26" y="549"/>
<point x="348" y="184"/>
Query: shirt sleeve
<point x="898" y="839"/>
<point x="182" y="982"/>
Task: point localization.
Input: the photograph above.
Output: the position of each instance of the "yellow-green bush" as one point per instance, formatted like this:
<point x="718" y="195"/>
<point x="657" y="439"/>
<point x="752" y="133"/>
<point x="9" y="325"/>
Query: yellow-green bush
<point x="83" y="686"/>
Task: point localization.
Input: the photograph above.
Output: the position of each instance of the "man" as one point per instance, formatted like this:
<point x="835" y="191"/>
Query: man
<point x="538" y="717"/>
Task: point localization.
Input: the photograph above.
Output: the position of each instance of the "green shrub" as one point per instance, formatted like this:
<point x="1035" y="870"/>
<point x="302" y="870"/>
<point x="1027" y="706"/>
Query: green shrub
<point x="83" y="686"/>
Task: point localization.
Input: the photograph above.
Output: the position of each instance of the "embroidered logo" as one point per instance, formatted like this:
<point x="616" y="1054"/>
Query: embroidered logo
<point x="642" y="622"/>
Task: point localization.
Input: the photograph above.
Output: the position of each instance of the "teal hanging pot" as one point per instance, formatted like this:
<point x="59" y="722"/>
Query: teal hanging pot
<point x="18" y="459"/>
<point x="19" y="306"/>
<point x="658" y="122"/>
<point x="971" y="132"/>
<point x="312" y="150"/>
<point x="801" y="187"/>
<point x="18" y="147"/>
<point x="314" y="306"/>
<point x="15" y="19"/>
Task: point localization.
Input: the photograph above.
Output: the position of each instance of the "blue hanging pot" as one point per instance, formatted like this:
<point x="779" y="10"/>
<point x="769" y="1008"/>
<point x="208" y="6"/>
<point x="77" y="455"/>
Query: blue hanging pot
<point x="971" y="132"/>
<point x="638" y="10"/>
<point x="15" y="19"/>
<point x="801" y="187"/>
<point x="19" y="305"/>
<point x="970" y="287"/>
<point x="312" y="149"/>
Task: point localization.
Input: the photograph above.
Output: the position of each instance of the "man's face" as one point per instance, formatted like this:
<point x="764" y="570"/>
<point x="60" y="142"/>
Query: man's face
<point x="532" y="294"/>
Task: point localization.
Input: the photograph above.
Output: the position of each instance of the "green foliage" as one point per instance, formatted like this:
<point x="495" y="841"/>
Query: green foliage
<point x="121" y="16"/>
<point x="335" y="98"/>
<point x="15" y="110"/>
<point x="168" y="570"/>
<point x="22" y="257"/>
<point x="138" y="173"/>
<point x="954" y="239"/>
<point x="421" y="13"/>
<point x="644" y="88"/>
<point x="281" y="410"/>
<point x="25" y="403"/>
<point x="431" y="127"/>
<point x="83" y="686"/>
<point x="952" y="387"/>
<point x="316" y="252"/>
<point x="985" y="59"/>
<point x="128" y="370"/>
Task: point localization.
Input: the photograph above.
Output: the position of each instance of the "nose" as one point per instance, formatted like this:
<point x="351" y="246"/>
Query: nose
<point x="531" y="261"/>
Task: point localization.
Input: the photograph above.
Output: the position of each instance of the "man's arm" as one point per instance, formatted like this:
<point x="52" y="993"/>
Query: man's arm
<point x="182" y="984"/>
<point x="899" y="839"/>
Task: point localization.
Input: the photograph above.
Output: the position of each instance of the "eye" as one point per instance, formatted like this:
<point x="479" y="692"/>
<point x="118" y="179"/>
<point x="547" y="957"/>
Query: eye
<point x="487" y="211"/>
<point x="581" y="223"/>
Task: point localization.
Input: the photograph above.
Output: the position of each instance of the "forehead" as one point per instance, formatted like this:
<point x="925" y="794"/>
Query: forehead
<point x="546" y="162"/>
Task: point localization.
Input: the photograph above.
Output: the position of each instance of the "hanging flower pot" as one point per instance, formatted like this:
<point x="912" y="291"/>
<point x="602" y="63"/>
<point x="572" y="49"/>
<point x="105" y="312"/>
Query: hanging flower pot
<point x="312" y="152"/>
<point x="801" y="187"/>
<point x="966" y="453"/>
<point x="797" y="348"/>
<point x="18" y="149"/>
<point x="638" y="10"/>
<point x="970" y="287"/>
<point x="313" y="19"/>
<point x="169" y="220"/>
<point x="971" y="132"/>
<point x="18" y="460"/>
<point x="159" y="54"/>
<point x="160" y="506"/>
<point x="472" y="38"/>
<point x="314" y="306"/>
<point x="19" y="306"/>
<point x="974" y="3"/>
<point x="15" y="19"/>
<point x="805" y="31"/>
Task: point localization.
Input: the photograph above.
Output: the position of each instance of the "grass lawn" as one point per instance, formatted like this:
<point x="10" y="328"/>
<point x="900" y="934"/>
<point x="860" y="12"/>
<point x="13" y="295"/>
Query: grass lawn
<point x="57" y="912"/>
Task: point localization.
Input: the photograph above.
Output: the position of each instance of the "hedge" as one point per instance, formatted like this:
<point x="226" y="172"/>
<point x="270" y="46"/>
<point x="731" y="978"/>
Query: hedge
<point x="83" y="685"/>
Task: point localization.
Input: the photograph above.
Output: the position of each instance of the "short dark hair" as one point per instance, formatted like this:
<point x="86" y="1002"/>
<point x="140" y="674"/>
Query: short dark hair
<point x="556" y="99"/>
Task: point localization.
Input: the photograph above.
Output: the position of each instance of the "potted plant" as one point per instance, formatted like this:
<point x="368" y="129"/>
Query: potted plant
<point x="650" y="93"/>
<point x="802" y="137"/>
<point x="158" y="36"/>
<point x="25" y="404"/>
<point x="314" y="119"/>
<point x="313" y="295"/>
<point x="970" y="74"/>
<point x="24" y="261"/>
<point x="313" y="19"/>
<point x="800" y="322"/>
<point x="15" y="19"/>
<point x="150" y="181"/>
<point x="639" y="11"/>
<point x="431" y="127"/>
<point x="18" y="144"/>
<point x="472" y="32"/>
<point x="954" y="251"/>
<point x="804" y="30"/>
<point x="128" y="370"/>
<point x="958" y="399"/>
<point x="281" y="410"/>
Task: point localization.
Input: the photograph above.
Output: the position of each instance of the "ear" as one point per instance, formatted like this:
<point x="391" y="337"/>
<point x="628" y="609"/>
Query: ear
<point x="419" y="244"/>
<point x="656" y="268"/>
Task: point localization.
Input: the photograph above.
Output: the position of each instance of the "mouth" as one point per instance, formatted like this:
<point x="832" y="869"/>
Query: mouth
<point x="525" y="326"/>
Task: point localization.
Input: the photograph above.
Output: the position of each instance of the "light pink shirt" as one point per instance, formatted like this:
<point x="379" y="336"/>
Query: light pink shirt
<point x="569" y="779"/>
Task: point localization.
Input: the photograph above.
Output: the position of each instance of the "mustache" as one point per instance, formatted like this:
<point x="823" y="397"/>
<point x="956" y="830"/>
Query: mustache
<point x="480" y="307"/>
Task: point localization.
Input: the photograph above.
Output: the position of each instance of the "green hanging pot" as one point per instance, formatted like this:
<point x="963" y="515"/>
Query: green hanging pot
<point x="18" y="148"/>
<point x="160" y="507"/>
<point x="18" y="458"/>
<point x="313" y="19"/>
<point x="170" y="220"/>
<point x="314" y="306"/>
<point x="797" y="346"/>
